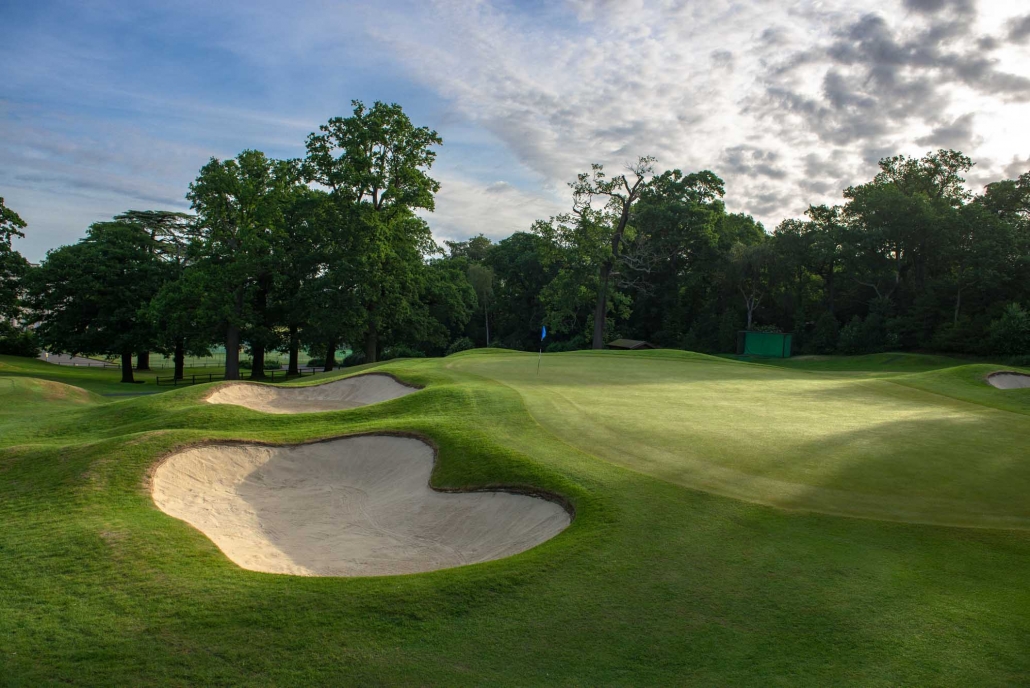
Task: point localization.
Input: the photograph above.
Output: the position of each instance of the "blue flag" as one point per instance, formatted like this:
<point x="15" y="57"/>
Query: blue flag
<point x="543" y="333"/>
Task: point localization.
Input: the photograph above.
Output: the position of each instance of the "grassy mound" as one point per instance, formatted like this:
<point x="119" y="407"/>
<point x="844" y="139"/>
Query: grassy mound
<point x="651" y="584"/>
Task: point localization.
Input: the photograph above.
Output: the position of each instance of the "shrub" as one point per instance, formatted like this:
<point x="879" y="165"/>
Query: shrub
<point x="315" y="363"/>
<point x="824" y="336"/>
<point x="558" y="347"/>
<point x="353" y="358"/>
<point x="401" y="351"/>
<point x="1010" y="334"/>
<point x="15" y="342"/>
<point x="460" y="344"/>
<point x="269" y="365"/>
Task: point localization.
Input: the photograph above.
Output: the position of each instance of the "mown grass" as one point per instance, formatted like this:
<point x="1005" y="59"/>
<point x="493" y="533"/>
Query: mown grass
<point x="828" y="443"/>
<point x="652" y="584"/>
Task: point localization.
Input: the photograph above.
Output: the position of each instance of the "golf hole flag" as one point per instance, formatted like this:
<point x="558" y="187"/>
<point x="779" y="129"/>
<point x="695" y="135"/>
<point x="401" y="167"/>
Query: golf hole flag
<point x="543" y="334"/>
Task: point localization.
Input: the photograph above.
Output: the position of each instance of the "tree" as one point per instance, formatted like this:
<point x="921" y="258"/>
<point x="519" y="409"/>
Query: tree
<point x="677" y="219"/>
<point x="750" y="273"/>
<point x="239" y="204"/>
<point x="475" y="249"/>
<point x="170" y="234"/>
<point x="482" y="280"/>
<point x="13" y="266"/>
<point x="91" y="297"/>
<point x="621" y="193"/>
<point x="377" y="162"/>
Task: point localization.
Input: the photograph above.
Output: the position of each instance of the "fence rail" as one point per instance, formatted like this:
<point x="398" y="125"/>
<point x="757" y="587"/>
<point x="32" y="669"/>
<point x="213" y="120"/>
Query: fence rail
<point x="188" y="379"/>
<point x="211" y="377"/>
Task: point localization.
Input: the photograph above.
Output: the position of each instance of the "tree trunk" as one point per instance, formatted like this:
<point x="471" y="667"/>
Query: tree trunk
<point x="294" y="367"/>
<point x="601" y="309"/>
<point x="830" y="290"/>
<point x="257" y="362"/>
<point x="143" y="360"/>
<point x="127" y="367"/>
<point x="486" y="320"/>
<point x="958" y="305"/>
<point x="232" y="353"/>
<point x="232" y="341"/>
<point x="371" y="343"/>
<point x="180" y="358"/>
<point x="330" y="355"/>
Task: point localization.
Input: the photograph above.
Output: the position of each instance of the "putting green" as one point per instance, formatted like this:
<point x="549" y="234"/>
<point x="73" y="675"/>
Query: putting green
<point x="651" y="584"/>
<point x="832" y="443"/>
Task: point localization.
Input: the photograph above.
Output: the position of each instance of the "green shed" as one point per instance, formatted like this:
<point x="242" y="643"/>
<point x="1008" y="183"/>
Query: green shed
<point x="769" y="344"/>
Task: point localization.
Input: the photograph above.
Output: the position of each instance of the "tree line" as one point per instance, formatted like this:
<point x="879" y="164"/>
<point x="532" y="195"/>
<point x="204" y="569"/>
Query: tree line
<point x="330" y="251"/>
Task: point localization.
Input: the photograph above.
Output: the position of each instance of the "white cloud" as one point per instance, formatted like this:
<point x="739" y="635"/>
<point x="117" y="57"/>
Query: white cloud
<point x="755" y="91"/>
<point x="466" y="207"/>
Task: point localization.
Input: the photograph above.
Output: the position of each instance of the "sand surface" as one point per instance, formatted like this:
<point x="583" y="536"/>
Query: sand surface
<point x="352" y="392"/>
<point x="358" y="506"/>
<point x="1009" y="380"/>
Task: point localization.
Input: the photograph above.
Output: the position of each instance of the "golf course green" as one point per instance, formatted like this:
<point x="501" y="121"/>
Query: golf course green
<point x="824" y="521"/>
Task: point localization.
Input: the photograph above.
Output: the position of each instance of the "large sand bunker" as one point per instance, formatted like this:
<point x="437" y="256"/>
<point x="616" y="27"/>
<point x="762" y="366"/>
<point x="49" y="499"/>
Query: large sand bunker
<point x="1008" y="380"/>
<point x="357" y="506"/>
<point x="331" y="396"/>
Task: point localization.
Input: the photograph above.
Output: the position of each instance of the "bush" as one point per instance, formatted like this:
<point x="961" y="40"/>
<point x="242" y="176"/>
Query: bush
<point x="400" y="351"/>
<point x="824" y="336"/>
<point x="315" y="363"/>
<point x="1010" y="334"/>
<point x="269" y="365"/>
<point x="15" y="342"/>
<point x="559" y="347"/>
<point x="460" y="344"/>
<point x="353" y="358"/>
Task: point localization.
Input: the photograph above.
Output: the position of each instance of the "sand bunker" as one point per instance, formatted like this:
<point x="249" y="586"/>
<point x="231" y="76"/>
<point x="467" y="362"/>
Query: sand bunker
<point x="1009" y="380"/>
<point x="357" y="506"/>
<point x="331" y="396"/>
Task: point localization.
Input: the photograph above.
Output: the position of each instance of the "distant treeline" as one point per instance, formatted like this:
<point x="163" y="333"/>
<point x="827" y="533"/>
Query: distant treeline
<point x="328" y="252"/>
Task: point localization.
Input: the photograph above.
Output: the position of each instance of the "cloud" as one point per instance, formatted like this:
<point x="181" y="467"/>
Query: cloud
<point x="752" y="162"/>
<point x="1019" y="29"/>
<point x="964" y="7"/>
<point x="958" y="134"/>
<point x="789" y="102"/>
<point x="466" y="207"/>
<point x="1017" y="167"/>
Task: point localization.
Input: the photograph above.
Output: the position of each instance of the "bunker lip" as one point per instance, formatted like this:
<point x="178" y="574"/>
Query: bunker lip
<point x="351" y="509"/>
<point x="333" y="395"/>
<point x="1009" y="379"/>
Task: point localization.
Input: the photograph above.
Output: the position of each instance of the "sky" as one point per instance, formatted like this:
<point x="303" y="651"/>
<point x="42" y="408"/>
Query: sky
<point x="107" y="106"/>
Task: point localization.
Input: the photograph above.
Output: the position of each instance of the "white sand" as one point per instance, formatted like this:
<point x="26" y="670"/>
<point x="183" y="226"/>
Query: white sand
<point x="1009" y="380"/>
<point x="358" y="506"/>
<point x="331" y="396"/>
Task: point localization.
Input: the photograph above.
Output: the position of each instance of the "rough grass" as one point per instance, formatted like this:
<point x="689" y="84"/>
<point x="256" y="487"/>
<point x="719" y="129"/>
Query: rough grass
<point x="652" y="584"/>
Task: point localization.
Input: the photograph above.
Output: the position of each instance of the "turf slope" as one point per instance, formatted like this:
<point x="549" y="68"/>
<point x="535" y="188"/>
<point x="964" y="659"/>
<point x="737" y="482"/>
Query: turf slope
<point x="652" y="583"/>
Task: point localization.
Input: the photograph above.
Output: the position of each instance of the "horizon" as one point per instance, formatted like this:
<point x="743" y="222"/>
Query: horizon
<point x="118" y="107"/>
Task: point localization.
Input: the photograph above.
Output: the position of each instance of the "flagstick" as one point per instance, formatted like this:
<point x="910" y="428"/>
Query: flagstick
<point x="538" y="360"/>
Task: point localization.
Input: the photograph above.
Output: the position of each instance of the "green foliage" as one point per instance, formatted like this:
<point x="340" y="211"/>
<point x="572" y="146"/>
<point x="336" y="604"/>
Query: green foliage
<point x="91" y="297"/>
<point x="401" y="351"/>
<point x="825" y="335"/>
<point x="355" y="358"/>
<point x="268" y="365"/>
<point x="460" y="344"/>
<point x="17" y="342"/>
<point x="13" y="267"/>
<point x="1010" y="334"/>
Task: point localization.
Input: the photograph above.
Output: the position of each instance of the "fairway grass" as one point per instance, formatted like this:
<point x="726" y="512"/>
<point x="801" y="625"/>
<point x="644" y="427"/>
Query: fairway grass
<point x="652" y="583"/>
<point x="783" y="437"/>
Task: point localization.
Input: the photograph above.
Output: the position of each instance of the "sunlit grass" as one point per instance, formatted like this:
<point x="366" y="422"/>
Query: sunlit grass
<point x="653" y="583"/>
